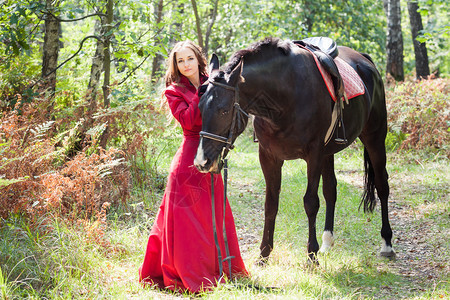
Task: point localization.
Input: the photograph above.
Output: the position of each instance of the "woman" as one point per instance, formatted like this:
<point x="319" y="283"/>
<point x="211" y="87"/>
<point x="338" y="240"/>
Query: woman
<point x="181" y="252"/>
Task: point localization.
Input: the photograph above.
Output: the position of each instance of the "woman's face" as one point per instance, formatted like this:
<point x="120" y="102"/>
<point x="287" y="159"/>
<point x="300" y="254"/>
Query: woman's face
<point x="187" y="63"/>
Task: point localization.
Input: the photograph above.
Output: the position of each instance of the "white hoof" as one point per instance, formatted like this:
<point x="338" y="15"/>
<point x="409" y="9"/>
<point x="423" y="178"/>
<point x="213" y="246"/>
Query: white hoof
<point x="327" y="241"/>
<point x="387" y="251"/>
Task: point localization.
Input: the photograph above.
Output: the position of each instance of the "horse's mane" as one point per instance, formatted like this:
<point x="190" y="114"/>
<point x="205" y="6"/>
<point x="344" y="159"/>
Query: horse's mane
<point x="255" y="48"/>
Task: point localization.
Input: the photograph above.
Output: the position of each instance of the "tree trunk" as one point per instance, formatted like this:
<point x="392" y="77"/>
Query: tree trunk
<point x="158" y="59"/>
<point x="50" y="49"/>
<point x="210" y="26"/>
<point x="107" y="67"/>
<point x="107" y="57"/>
<point x="308" y="15"/>
<point x="96" y="67"/>
<point x="197" y="22"/>
<point x="394" y="40"/>
<point x="177" y="26"/>
<point x="94" y="82"/>
<point x="420" y="49"/>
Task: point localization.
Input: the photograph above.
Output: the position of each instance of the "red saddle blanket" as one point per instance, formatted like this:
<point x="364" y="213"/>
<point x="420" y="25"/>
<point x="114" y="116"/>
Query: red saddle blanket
<point x="353" y="84"/>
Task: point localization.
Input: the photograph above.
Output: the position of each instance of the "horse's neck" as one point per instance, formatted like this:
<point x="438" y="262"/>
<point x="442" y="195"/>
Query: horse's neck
<point x="264" y="91"/>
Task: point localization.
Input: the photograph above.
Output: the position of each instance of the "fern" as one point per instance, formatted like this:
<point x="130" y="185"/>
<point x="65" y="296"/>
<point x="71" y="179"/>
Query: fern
<point x="97" y="131"/>
<point x="105" y="169"/>
<point x="40" y="131"/>
<point x="5" y="182"/>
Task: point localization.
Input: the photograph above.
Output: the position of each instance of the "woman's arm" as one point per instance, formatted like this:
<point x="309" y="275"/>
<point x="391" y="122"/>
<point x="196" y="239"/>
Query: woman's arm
<point x="187" y="114"/>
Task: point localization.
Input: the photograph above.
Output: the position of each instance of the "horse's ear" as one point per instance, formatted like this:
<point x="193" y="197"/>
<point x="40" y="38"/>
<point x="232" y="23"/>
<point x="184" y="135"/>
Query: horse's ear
<point x="236" y="75"/>
<point x="213" y="63"/>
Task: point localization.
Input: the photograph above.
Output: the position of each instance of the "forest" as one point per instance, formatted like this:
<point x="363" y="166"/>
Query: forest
<point x="85" y="146"/>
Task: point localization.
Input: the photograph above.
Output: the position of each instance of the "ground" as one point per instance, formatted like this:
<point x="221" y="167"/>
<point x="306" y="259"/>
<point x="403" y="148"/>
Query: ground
<point x="420" y="240"/>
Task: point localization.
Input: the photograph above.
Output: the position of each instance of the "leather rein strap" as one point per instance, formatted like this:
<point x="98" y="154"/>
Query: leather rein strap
<point x="225" y="239"/>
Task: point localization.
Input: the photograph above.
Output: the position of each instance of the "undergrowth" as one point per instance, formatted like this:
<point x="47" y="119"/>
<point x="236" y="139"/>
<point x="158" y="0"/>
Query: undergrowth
<point x="37" y="178"/>
<point x="419" y="116"/>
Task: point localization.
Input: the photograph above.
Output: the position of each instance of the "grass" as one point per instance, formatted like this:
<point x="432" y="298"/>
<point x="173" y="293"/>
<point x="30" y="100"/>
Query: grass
<point x="56" y="260"/>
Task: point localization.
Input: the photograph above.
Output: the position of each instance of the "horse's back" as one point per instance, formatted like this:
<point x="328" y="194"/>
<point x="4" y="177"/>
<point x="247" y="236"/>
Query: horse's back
<point x="373" y="82"/>
<point x="364" y="66"/>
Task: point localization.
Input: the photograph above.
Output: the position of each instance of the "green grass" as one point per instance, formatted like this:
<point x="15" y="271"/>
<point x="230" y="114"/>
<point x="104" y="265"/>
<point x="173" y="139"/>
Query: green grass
<point x="54" y="260"/>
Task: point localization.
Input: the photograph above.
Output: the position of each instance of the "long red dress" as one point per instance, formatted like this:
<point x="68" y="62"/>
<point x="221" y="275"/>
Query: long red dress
<point x="181" y="252"/>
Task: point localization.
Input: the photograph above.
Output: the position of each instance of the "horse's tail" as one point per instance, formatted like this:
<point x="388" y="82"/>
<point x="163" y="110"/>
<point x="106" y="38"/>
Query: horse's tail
<point x="368" y="198"/>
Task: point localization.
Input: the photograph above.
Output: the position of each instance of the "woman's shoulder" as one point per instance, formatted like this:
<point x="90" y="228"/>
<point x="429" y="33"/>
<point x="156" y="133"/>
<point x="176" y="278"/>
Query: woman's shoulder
<point x="179" y="86"/>
<point x="174" y="88"/>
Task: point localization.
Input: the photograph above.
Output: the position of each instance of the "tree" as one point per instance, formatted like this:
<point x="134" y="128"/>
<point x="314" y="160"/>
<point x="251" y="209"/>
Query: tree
<point x="51" y="46"/>
<point x="50" y="50"/>
<point x="394" y="40"/>
<point x="107" y="46"/>
<point x="198" y="24"/>
<point x="96" y="66"/>
<point x="213" y="15"/>
<point x="420" y="48"/>
<point x="157" y="60"/>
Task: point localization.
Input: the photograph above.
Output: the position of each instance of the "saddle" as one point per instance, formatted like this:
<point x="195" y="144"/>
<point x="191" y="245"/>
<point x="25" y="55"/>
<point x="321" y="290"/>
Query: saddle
<point x="325" y="49"/>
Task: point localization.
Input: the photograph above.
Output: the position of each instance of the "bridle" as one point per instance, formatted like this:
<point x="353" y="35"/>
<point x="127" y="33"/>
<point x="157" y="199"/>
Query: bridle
<point x="237" y="111"/>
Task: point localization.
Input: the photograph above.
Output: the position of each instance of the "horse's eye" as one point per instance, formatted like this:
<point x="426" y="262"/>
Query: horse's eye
<point x="225" y="112"/>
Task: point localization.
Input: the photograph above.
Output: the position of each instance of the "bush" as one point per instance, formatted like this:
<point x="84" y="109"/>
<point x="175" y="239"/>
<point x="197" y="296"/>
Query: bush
<point x="36" y="178"/>
<point x="418" y="116"/>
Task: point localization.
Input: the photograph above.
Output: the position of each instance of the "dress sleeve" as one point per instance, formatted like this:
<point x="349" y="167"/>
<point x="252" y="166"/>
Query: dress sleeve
<point x="185" y="113"/>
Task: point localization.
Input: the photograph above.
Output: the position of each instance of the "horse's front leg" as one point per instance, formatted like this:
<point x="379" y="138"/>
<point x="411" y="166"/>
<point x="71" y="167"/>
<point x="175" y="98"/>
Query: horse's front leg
<point x="271" y="167"/>
<point x="311" y="203"/>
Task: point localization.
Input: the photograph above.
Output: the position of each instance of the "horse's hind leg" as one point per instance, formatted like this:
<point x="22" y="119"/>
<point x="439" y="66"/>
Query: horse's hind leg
<point x="271" y="168"/>
<point x="329" y="192"/>
<point x="376" y="174"/>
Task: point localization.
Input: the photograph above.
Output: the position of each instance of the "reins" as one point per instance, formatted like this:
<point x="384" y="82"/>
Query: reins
<point x="225" y="239"/>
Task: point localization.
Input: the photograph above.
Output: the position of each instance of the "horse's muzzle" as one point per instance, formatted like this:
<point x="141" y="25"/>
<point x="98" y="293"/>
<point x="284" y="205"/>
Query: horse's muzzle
<point x="206" y="165"/>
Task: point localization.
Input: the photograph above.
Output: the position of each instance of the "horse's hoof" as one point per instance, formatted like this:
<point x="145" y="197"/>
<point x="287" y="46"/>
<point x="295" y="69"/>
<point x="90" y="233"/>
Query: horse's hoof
<point x="327" y="241"/>
<point x="262" y="261"/>
<point x="311" y="265"/>
<point x="387" y="251"/>
<point x="312" y="261"/>
<point x="324" y="249"/>
<point x="388" y="254"/>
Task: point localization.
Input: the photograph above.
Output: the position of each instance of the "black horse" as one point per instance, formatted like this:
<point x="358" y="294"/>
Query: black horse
<point x="280" y="84"/>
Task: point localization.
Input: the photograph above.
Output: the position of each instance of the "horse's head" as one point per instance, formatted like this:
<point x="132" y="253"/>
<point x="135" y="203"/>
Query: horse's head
<point x="222" y="118"/>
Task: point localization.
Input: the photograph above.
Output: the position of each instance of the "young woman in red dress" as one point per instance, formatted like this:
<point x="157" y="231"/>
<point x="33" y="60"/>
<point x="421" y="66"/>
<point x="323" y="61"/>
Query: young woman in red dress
<point x="181" y="253"/>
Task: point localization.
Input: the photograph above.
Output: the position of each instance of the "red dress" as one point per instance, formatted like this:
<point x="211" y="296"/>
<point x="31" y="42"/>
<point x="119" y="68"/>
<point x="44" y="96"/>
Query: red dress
<point x="181" y="252"/>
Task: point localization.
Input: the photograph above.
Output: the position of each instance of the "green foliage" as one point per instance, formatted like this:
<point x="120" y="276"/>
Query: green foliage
<point x="394" y="139"/>
<point x="16" y="75"/>
<point x="19" y="23"/>
<point x="240" y="23"/>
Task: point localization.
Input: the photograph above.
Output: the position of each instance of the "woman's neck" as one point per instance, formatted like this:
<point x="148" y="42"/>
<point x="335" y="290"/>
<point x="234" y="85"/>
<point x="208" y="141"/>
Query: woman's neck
<point x="195" y="80"/>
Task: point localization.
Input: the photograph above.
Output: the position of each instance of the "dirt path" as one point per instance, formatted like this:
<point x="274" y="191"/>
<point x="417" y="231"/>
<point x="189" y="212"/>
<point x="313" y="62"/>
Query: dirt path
<point x="419" y="243"/>
<point x="421" y="246"/>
